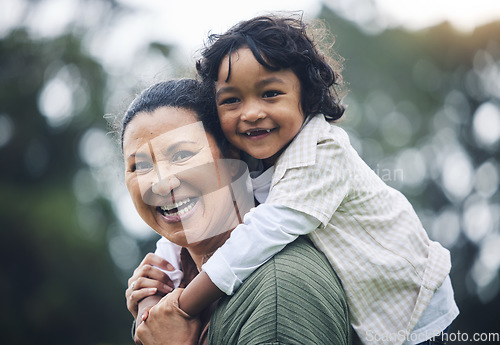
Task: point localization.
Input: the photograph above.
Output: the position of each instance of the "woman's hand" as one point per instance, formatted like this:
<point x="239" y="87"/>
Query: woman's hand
<point x="148" y="280"/>
<point x="168" y="324"/>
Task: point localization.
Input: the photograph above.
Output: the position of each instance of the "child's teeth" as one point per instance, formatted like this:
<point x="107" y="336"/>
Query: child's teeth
<point x="265" y="130"/>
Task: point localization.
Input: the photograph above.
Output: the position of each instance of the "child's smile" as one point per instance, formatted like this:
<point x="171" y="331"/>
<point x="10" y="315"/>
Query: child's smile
<point x="259" y="109"/>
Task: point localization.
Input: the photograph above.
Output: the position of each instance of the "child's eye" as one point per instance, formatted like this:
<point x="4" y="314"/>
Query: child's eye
<point x="229" y="100"/>
<point x="182" y="156"/>
<point x="270" y="94"/>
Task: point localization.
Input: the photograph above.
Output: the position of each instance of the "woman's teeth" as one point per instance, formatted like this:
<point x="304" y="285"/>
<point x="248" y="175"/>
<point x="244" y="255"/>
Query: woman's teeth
<point x="178" y="208"/>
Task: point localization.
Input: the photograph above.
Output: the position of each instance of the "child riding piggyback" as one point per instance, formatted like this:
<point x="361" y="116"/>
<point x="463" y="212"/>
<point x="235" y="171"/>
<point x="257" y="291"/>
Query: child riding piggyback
<point x="277" y="99"/>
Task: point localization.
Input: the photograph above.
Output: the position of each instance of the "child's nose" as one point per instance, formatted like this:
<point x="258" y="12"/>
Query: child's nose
<point x="252" y="112"/>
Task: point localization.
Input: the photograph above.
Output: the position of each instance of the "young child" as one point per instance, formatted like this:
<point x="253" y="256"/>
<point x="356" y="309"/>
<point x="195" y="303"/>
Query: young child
<point x="275" y="96"/>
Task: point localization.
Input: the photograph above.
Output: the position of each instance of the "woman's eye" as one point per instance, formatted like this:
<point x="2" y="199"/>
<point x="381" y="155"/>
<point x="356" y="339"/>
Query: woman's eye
<point x="270" y="94"/>
<point x="142" y="166"/>
<point x="182" y="156"/>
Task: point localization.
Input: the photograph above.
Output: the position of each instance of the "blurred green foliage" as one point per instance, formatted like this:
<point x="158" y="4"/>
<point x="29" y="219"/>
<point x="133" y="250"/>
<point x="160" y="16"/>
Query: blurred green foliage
<point x="413" y="98"/>
<point x="58" y="287"/>
<point x="435" y="81"/>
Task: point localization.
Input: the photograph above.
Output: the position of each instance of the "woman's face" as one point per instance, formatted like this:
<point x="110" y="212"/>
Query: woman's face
<point x="176" y="177"/>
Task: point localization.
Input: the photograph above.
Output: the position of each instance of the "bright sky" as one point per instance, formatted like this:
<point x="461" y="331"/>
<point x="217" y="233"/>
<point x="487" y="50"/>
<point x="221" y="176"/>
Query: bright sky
<point x="188" y="22"/>
<point x="463" y="14"/>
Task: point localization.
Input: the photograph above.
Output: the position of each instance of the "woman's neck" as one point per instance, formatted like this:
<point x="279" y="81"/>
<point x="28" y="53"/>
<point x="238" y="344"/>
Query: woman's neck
<point x="202" y="251"/>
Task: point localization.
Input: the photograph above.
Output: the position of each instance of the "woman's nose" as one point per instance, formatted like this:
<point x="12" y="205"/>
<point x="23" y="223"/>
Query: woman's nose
<point x="164" y="186"/>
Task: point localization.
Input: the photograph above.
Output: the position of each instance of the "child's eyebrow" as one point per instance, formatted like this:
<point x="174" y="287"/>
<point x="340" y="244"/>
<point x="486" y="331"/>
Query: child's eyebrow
<point x="225" y="89"/>
<point x="259" y="84"/>
<point x="268" y="81"/>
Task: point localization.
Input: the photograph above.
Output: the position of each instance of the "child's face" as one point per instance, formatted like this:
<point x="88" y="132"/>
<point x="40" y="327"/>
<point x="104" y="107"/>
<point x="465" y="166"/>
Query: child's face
<point x="259" y="109"/>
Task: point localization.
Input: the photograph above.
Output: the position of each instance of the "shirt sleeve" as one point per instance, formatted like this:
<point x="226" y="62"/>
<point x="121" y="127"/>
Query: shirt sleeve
<point x="318" y="188"/>
<point x="172" y="253"/>
<point x="265" y="231"/>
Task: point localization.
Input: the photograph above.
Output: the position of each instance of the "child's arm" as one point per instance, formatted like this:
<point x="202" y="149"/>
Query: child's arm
<point x="199" y="294"/>
<point x="266" y="230"/>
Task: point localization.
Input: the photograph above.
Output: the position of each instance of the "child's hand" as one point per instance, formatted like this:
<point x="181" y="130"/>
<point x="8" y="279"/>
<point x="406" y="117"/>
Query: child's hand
<point x="148" y="280"/>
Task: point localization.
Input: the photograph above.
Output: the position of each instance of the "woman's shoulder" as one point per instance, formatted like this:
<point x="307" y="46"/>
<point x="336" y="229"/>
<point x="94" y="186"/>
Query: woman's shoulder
<point x="299" y="260"/>
<point x="295" y="297"/>
<point x="302" y="270"/>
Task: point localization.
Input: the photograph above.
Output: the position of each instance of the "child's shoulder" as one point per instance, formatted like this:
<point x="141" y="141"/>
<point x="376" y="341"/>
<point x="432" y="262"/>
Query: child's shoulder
<point x="324" y="131"/>
<point x="317" y="140"/>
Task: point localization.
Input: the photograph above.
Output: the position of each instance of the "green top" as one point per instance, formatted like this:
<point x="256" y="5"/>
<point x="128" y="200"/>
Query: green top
<point x="294" y="298"/>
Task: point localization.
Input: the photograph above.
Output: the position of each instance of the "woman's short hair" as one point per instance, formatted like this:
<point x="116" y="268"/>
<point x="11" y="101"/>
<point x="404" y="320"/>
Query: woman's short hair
<point x="178" y="93"/>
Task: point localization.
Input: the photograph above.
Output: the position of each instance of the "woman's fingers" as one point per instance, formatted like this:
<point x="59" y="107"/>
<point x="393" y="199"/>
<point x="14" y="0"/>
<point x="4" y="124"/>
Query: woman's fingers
<point x="170" y="302"/>
<point x="148" y="279"/>
<point x="167" y="324"/>
<point x="154" y="273"/>
<point x="133" y="298"/>
<point x="173" y="298"/>
<point x="149" y="269"/>
<point x="142" y="288"/>
<point x="164" y="285"/>
<point x="139" y="295"/>
<point x="158" y="261"/>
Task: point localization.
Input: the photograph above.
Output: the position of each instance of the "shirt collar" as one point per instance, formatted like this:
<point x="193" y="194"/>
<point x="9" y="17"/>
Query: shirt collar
<point x="302" y="149"/>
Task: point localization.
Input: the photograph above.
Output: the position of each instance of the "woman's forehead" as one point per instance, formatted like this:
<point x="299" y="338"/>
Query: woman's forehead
<point x="166" y="123"/>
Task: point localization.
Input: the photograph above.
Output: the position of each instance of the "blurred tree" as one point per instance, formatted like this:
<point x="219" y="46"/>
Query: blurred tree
<point x="413" y="107"/>
<point x="417" y="105"/>
<point x="58" y="285"/>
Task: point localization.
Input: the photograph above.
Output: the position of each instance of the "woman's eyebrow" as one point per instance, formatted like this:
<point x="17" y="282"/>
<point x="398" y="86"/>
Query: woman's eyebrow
<point x="174" y="147"/>
<point x="138" y="155"/>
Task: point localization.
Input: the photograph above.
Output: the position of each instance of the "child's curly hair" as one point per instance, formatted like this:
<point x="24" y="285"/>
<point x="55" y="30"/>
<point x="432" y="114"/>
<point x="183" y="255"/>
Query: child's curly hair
<point x="280" y="43"/>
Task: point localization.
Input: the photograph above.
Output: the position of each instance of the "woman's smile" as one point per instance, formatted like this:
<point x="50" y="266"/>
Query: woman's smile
<point x="176" y="176"/>
<point x="179" y="211"/>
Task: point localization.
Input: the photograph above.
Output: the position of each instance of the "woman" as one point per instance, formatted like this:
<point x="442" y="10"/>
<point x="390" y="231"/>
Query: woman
<point x="183" y="188"/>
